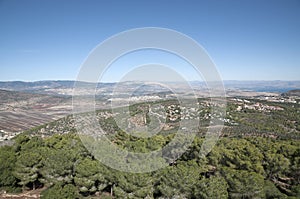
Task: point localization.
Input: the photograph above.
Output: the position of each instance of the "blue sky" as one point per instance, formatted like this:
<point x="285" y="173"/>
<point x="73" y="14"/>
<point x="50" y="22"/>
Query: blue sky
<point x="247" y="40"/>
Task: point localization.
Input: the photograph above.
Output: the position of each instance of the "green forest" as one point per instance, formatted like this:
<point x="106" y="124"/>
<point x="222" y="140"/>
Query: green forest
<point x="241" y="165"/>
<point x="235" y="168"/>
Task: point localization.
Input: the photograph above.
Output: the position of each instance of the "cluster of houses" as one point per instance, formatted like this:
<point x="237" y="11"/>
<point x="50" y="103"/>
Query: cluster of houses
<point x="175" y="112"/>
<point x="7" y="135"/>
<point x="281" y="99"/>
<point x="246" y="104"/>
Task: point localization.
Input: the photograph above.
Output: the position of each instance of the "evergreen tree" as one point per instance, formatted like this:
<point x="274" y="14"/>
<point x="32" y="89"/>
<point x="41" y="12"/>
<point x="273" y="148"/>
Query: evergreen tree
<point x="27" y="168"/>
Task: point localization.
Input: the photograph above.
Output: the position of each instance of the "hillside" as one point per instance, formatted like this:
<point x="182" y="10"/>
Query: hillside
<point x="292" y="93"/>
<point x="256" y="157"/>
<point x="245" y="117"/>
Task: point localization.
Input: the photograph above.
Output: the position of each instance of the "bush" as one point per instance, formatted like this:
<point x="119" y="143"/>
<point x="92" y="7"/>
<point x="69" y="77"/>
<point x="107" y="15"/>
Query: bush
<point x="58" y="191"/>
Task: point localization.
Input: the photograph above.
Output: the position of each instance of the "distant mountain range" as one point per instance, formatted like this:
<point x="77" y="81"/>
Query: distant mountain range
<point x="64" y="87"/>
<point x="263" y="86"/>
